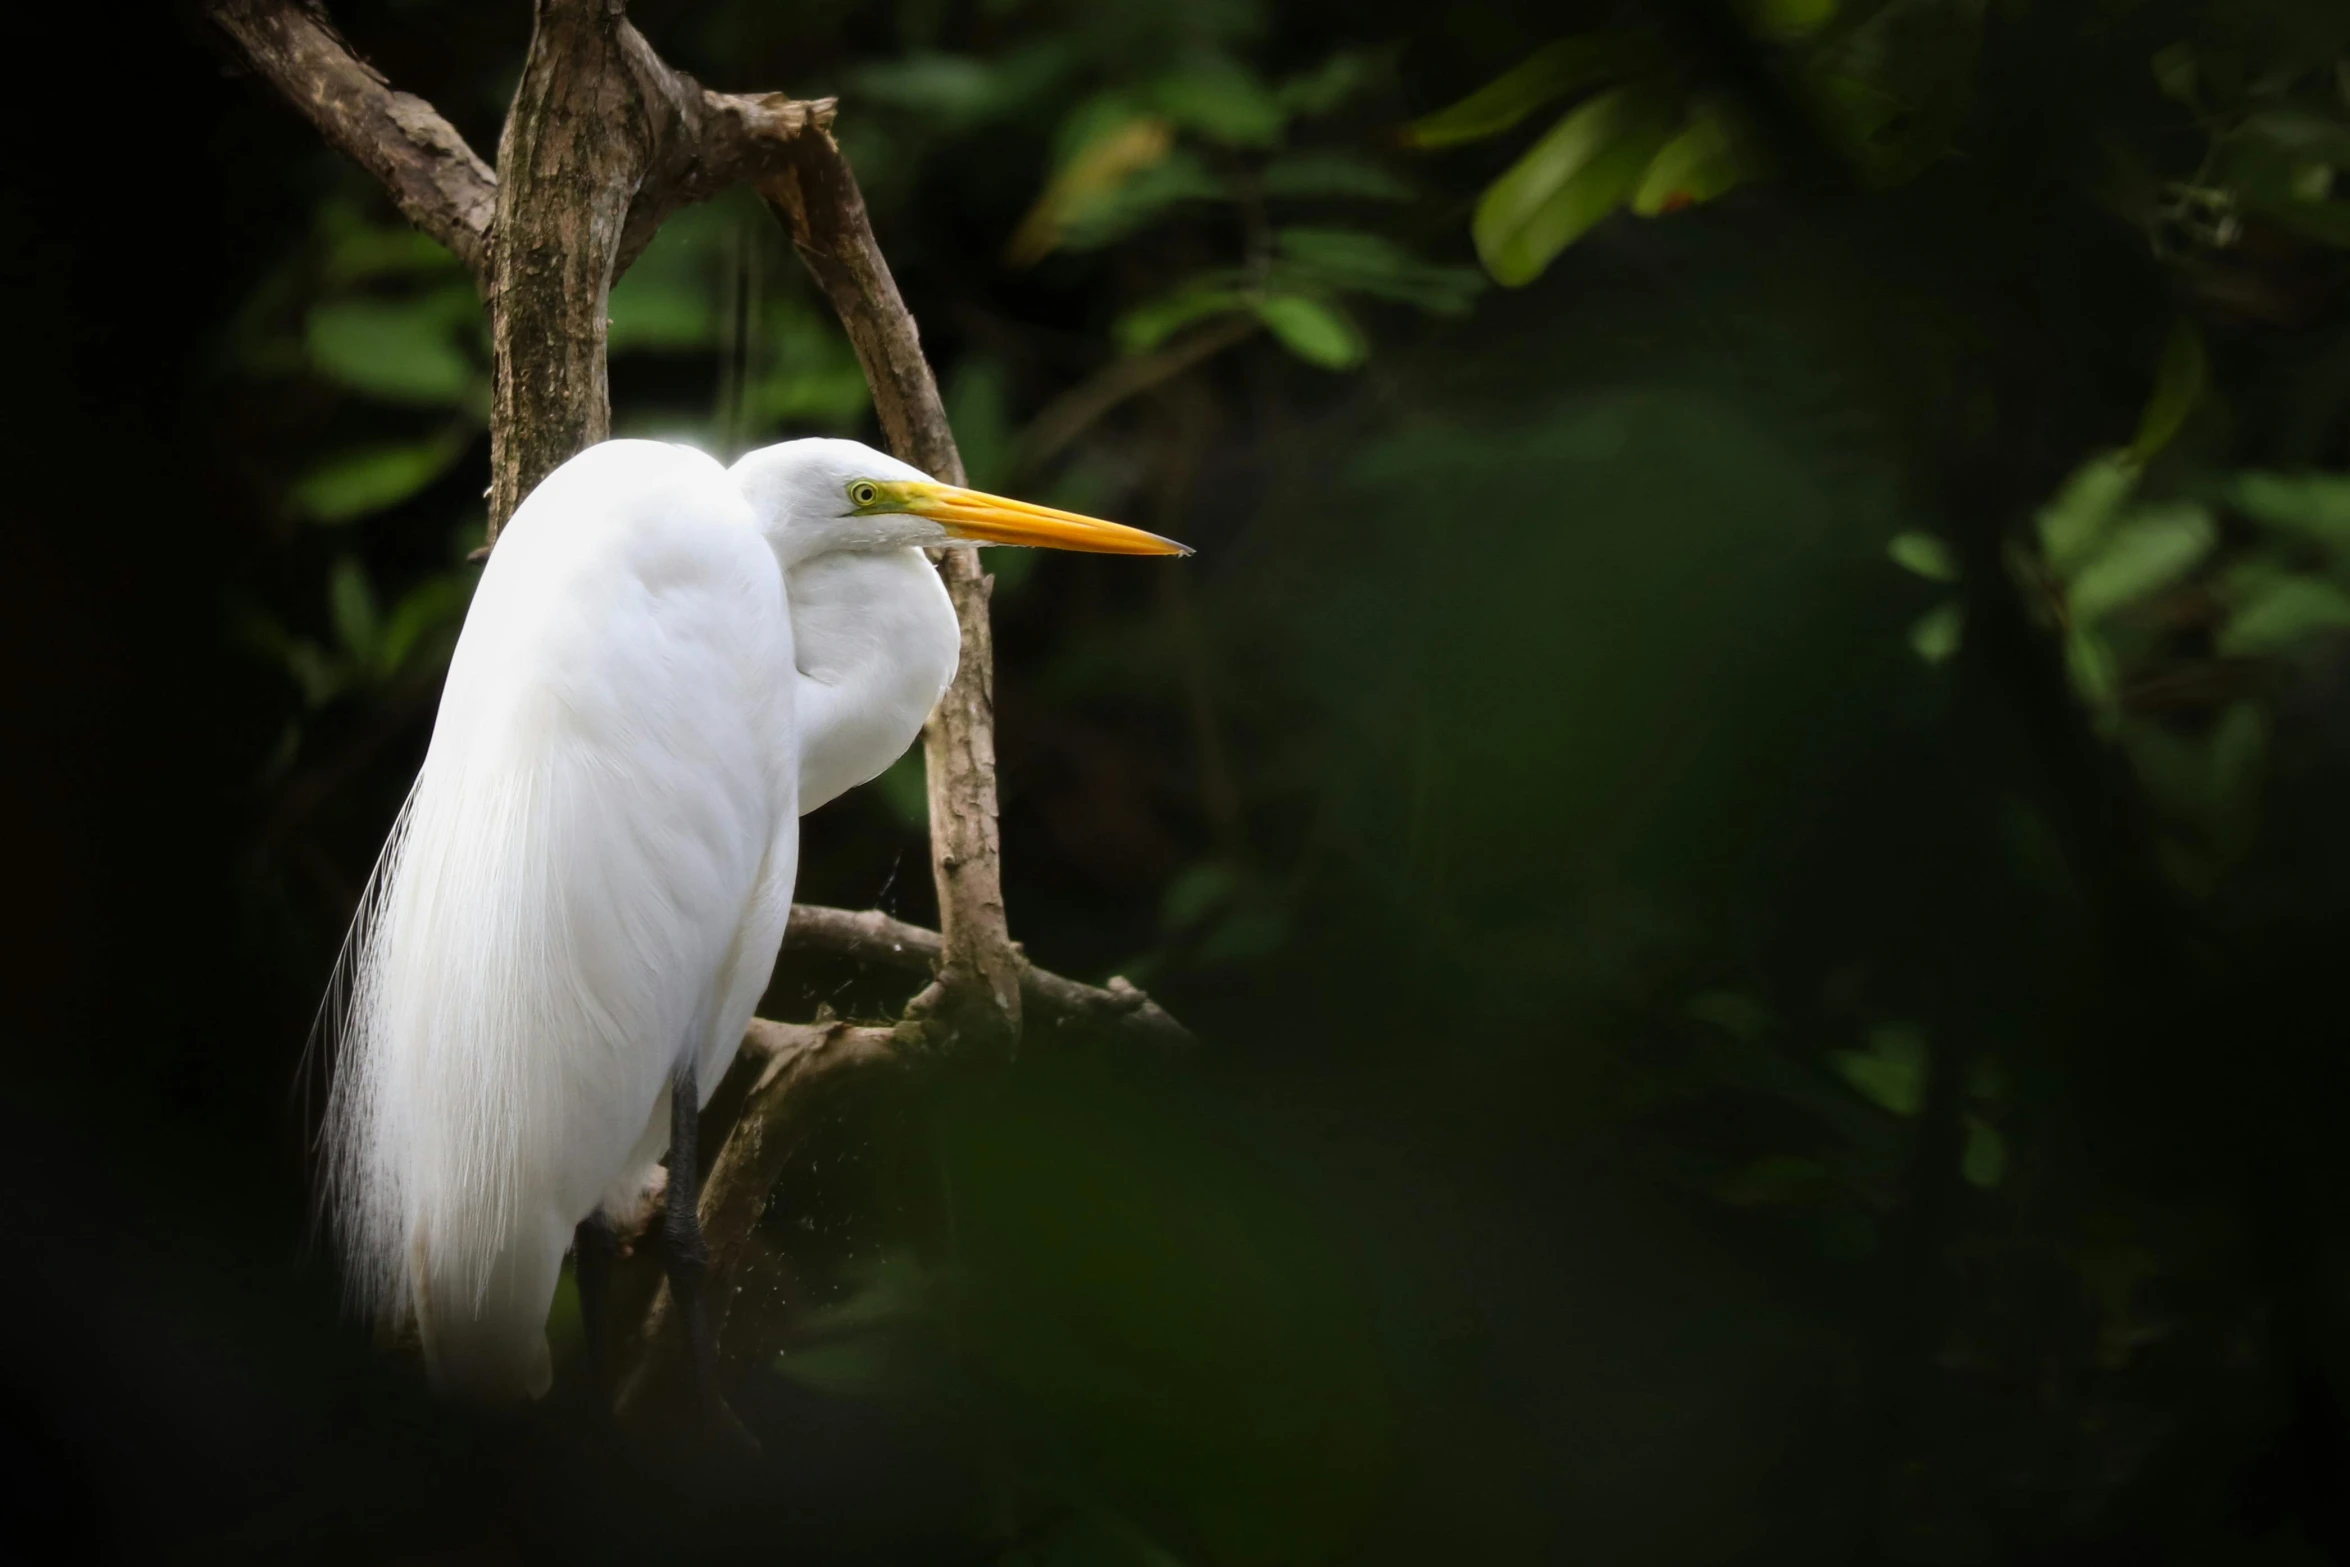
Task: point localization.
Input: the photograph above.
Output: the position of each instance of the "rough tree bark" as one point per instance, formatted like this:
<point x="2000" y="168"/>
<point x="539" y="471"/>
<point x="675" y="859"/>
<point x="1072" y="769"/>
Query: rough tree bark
<point x="978" y="990"/>
<point x="604" y="141"/>
<point x="577" y="143"/>
<point x="438" y="182"/>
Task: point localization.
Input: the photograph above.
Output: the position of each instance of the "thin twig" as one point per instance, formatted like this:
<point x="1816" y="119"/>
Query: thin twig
<point x="1075" y="411"/>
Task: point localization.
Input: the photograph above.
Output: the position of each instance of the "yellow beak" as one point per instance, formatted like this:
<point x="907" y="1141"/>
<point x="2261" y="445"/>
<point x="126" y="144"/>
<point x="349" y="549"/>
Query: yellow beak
<point x="992" y="519"/>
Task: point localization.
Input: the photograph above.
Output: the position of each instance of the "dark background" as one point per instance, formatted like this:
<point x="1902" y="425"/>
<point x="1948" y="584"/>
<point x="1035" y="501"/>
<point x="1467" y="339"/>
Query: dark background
<point x="1683" y="1077"/>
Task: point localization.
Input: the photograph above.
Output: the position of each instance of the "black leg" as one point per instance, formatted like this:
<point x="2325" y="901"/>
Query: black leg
<point x="594" y="1248"/>
<point x="689" y="1259"/>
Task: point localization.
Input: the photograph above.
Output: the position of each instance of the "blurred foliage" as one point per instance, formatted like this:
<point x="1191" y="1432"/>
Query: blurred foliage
<point x="1885" y="85"/>
<point x="1626" y="789"/>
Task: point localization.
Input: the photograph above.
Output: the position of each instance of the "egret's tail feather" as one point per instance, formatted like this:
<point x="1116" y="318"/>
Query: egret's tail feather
<point x="486" y="1339"/>
<point x="463" y="1096"/>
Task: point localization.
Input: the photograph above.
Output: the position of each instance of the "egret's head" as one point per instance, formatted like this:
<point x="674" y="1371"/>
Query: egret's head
<point x="817" y="496"/>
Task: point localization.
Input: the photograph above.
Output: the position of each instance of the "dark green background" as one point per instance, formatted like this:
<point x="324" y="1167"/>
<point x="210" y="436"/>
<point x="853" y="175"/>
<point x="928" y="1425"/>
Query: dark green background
<point x="1682" y="1078"/>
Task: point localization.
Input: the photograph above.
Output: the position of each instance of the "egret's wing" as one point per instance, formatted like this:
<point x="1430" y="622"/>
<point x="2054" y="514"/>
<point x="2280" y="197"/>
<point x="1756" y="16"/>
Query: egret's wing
<point x="564" y="915"/>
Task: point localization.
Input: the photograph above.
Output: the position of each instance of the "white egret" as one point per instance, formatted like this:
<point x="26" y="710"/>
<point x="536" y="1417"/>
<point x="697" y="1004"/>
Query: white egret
<point x="665" y="664"/>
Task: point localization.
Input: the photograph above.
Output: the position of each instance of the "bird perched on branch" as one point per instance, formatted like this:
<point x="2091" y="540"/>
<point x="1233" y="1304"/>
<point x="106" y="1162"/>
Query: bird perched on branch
<point x="666" y="663"/>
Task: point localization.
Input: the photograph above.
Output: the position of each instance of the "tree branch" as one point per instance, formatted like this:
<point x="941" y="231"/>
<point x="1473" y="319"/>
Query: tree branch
<point x="577" y="143"/>
<point x="604" y="141"/>
<point x="1048" y="1001"/>
<point x="703" y="143"/>
<point x="797" y="1063"/>
<point x="1069" y="415"/>
<point x="979" y="991"/>
<point x="440" y="184"/>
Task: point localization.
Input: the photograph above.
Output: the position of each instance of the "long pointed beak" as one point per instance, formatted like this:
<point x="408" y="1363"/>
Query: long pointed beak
<point x="992" y="519"/>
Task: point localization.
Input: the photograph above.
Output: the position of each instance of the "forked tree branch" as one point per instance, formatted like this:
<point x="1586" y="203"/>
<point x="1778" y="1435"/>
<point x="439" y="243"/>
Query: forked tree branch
<point x="604" y="141"/>
<point x="1049" y="1003"/>
<point x="705" y="142"/>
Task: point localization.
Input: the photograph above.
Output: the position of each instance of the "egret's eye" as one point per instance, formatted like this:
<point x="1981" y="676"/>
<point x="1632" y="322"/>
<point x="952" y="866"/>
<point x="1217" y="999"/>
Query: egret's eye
<point x="864" y="492"/>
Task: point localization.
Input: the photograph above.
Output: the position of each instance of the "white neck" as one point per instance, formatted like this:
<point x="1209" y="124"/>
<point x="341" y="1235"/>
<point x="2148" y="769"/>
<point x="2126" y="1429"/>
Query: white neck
<point x="876" y="642"/>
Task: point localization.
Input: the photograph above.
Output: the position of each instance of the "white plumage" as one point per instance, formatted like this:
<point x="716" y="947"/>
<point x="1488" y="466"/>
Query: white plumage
<point x="589" y="882"/>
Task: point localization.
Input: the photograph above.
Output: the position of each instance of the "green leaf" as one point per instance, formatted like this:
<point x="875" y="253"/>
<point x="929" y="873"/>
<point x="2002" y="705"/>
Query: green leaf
<point x="1198" y="892"/>
<point x="2090" y="663"/>
<point x="1106" y="143"/>
<point x="2315" y="506"/>
<point x="1348" y="260"/>
<point x="1695" y="166"/>
<point x="2178" y="387"/>
<point x="399" y="351"/>
<point x="1151" y="323"/>
<point x="318" y="676"/>
<point x="1853" y="111"/>
<point x="654" y="308"/>
<point x="2284" y="615"/>
<point x="2174" y="73"/>
<point x="951" y="86"/>
<point x="1332" y="175"/>
<point x="1577" y="174"/>
<point x="807" y="374"/>
<point x="2173" y="769"/>
<point x="2144" y="554"/>
<point x="373" y="478"/>
<point x="1315" y="330"/>
<point x="963" y="92"/>
<point x="1328" y="85"/>
<point x="1896" y="88"/>
<point x="436" y="604"/>
<point x="892" y="1289"/>
<point x="978" y="408"/>
<point x="1924" y="554"/>
<point x="358" y="251"/>
<point x="1938" y="632"/>
<point x="2292" y="134"/>
<point x="1561" y="68"/>
<point x="1222" y="100"/>
<point x="1891" y="1072"/>
<point x="2073" y="524"/>
<point x="353" y="604"/>
<point x="1789" y="19"/>
<point x="1984" y="1161"/>
<point x="2239" y="759"/>
<point x="1112" y="211"/>
<point x="860" y="1365"/>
